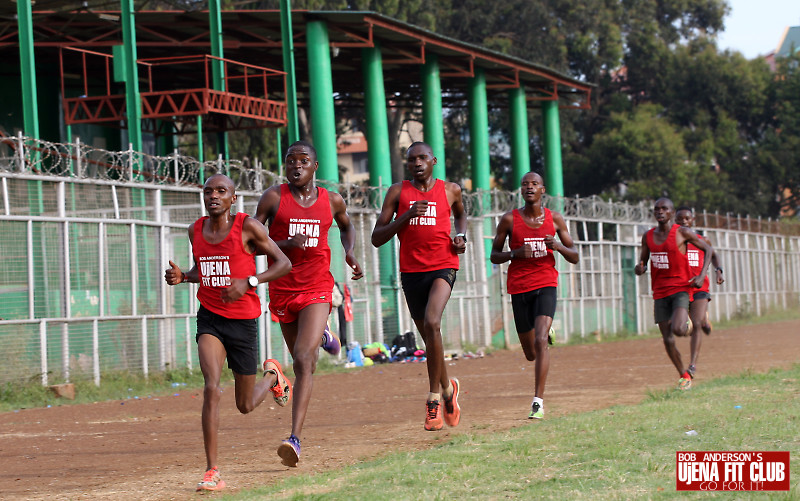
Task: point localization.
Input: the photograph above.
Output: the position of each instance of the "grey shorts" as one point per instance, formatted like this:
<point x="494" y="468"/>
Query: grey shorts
<point x="666" y="305"/>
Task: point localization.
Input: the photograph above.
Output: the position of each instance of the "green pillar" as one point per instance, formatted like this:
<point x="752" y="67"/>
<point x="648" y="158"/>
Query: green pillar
<point x="201" y="156"/>
<point x="165" y="138"/>
<point x="323" y="121"/>
<point x="215" y="33"/>
<point x="287" y="46"/>
<point x="554" y="177"/>
<point x="479" y="131"/>
<point x="30" y="108"/>
<point x="279" y="146"/>
<point x="520" y="143"/>
<point x="380" y="162"/>
<point x="432" y="122"/>
<point x="133" y="102"/>
<point x="479" y="152"/>
<point x="217" y="66"/>
<point x="30" y="111"/>
<point x="380" y="176"/>
<point x="323" y="124"/>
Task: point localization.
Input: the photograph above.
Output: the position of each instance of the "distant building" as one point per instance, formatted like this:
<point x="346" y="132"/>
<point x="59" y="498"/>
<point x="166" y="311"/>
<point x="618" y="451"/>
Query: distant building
<point x="789" y="43"/>
<point x="351" y="150"/>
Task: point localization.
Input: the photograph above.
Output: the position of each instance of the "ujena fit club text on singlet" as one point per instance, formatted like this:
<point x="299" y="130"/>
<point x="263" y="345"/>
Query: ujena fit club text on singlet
<point x="526" y="275"/>
<point x="217" y="264"/>
<point x="311" y="265"/>
<point x="669" y="268"/>
<point x="425" y="243"/>
<point x="695" y="257"/>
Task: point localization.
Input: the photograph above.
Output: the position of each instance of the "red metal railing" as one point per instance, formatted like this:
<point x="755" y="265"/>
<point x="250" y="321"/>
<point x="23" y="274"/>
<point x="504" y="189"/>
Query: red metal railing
<point x="171" y="90"/>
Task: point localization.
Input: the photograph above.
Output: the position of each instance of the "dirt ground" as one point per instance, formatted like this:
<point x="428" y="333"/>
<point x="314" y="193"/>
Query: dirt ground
<point x="152" y="448"/>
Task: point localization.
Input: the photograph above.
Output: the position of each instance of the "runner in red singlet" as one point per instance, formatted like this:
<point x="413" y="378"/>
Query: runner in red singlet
<point x="665" y="247"/>
<point x="532" y="275"/>
<point x="699" y="298"/>
<point x="428" y="265"/>
<point x="224" y="247"/>
<point x="299" y="215"/>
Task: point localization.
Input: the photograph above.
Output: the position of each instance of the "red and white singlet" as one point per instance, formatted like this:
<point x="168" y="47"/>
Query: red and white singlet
<point x="526" y="275"/>
<point x="217" y="264"/>
<point x="669" y="268"/>
<point x="425" y="243"/>
<point x="311" y="266"/>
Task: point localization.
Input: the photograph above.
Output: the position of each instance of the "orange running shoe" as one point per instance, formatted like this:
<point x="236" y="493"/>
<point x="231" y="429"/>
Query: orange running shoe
<point x="211" y="481"/>
<point x="282" y="389"/>
<point x="452" y="411"/>
<point x="433" y="416"/>
<point x="685" y="382"/>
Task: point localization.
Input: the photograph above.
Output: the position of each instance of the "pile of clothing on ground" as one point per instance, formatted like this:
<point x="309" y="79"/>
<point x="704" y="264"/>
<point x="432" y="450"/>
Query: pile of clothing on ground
<point x="404" y="350"/>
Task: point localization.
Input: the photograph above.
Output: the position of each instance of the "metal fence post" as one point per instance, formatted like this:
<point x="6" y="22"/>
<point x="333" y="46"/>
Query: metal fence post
<point x="145" y="369"/>
<point x="78" y="160"/>
<point x="21" y="152"/>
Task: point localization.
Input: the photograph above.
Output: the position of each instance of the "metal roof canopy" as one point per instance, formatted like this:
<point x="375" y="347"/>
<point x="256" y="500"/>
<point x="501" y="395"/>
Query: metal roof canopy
<point x="254" y="37"/>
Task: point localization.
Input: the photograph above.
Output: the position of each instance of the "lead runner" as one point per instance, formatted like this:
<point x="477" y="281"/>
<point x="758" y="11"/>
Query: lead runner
<point x="223" y="246"/>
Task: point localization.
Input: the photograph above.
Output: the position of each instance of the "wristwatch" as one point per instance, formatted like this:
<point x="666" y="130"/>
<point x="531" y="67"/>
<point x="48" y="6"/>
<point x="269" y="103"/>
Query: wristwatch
<point x="719" y="269"/>
<point x="462" y="235"/>
<point x="252" y="281"/>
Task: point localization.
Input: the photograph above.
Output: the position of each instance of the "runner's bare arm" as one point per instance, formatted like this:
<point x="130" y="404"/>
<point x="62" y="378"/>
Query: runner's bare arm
<point x="716" y="263"/>
<point x="644" y="256"/>
<point x="268" y="205"/>
<point x="265" y="212"/>
<point x="385" y="227"/>
<point x="567" y="247"/>
<point x="347" y="233"/>
<point x="174" y="276"/>
<point x="503" y="232"/>
<point x="459" y="216"/>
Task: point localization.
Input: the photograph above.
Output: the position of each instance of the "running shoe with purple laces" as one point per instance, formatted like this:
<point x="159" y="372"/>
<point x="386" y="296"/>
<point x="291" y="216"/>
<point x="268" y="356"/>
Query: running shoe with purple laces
<point x="289" y="451"/>
<point x="330" y="342"/>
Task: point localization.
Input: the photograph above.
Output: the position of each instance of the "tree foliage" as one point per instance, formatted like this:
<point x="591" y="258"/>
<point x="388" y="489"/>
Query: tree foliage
<point x="671" y="113"/>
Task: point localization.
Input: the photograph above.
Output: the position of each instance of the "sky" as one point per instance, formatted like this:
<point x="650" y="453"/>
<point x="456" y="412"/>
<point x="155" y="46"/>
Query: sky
<point x="754" y="27"/>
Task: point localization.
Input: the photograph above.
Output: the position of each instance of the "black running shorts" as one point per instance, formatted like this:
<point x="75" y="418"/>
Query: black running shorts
<point x="529" y="305"/>
<point x="239" y="337"/>
<point x="417" y="288"/>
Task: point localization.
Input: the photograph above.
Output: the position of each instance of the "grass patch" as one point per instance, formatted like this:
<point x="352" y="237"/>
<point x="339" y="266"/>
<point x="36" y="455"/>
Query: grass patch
<point x="620" y="453"/>
<point x="744" y="317"/>
<point x="114" y="386"/>
<point x="122" y="385"/>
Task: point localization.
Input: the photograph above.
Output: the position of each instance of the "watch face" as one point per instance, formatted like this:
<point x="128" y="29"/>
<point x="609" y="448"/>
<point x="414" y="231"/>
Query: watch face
<point x="253" y="281"/>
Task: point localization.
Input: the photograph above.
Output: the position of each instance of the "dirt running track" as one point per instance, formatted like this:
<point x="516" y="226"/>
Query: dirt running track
<point x="152" y="448"/>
